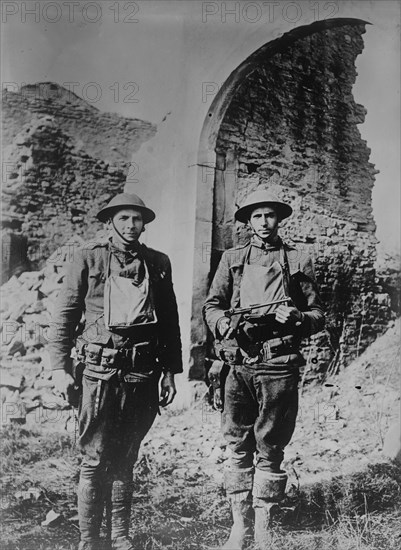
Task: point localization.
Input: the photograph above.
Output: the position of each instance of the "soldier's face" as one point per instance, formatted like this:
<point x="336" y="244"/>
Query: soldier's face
<point x="264" y="222"/>
<point x="127" y="222"/>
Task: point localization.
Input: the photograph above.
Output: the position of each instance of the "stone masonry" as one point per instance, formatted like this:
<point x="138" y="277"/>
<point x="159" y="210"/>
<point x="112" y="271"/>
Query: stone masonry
<point x="292" y="127"/>
<point x="63" y="158"/>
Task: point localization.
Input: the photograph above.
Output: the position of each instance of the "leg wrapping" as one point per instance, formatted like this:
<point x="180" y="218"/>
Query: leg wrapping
<point x="269" y="486"/>
<point x="238" y="481"/>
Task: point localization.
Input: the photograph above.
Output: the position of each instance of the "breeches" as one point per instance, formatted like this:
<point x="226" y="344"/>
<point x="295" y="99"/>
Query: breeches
<point x="259" y="416"/>
<point x="114" y="417"/>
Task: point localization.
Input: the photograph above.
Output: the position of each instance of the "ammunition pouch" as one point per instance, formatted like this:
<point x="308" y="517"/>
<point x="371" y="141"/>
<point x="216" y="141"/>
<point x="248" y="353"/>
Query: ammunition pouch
<point x="134" y="364"/>
<point x="276" y="347"/>
<point x="279" y="350"/>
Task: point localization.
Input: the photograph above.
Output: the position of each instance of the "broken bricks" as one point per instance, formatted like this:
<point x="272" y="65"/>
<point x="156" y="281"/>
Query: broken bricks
<point x="52" y="518"/>
<point x="11" y="381"/>
<point x="13" y="410"/>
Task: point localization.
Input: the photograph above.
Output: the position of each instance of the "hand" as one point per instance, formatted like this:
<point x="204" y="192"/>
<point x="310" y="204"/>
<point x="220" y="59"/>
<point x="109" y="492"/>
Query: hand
<point x="223" y="326"/>
<point x="217" y="400"/>
<point x="214" y="376"/>
<point x="289" y="314"/>
<point x="168" y="390"/>
<point x="62" y="381"/>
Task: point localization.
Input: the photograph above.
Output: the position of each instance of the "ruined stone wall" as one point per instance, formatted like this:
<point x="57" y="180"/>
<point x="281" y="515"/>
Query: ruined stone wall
<point x="62" y="160"/>
<point x="292" y="127"/>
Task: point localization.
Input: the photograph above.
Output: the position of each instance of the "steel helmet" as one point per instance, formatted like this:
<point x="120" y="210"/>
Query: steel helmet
<point x="258" y="198"/>
<point x="126" y="200"/>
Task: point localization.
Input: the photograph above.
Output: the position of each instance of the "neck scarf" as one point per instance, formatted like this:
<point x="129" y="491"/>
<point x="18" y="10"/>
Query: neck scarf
<point x="130" y="261"/>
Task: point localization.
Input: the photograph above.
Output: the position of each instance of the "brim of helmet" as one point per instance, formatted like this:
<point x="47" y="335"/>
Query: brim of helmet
<point x="147" y="214"/>
<point x="243" y="214"/>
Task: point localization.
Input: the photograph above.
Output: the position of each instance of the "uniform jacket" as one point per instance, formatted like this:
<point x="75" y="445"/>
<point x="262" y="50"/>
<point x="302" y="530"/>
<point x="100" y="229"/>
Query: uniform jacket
<point x="225" y="289"/>
<point x="82" y="291"/>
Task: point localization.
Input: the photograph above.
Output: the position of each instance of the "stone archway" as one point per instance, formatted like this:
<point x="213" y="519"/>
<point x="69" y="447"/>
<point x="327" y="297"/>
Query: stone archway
<point x="286" y="118"/>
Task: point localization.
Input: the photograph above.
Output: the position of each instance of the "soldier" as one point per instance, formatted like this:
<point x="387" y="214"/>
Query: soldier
<point x="262" y="349"/>
<point x="129" y="337"/>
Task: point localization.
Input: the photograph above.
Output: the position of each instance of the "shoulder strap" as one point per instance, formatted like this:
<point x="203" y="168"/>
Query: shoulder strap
<point x="285" y="269"/>
<point x="247" y="254"/>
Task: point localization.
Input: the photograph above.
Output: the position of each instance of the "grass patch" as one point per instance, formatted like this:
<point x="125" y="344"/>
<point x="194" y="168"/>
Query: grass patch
<point x="375" y="489"/>
<point x="186" y="510"/>
<point x="20" y="446"/>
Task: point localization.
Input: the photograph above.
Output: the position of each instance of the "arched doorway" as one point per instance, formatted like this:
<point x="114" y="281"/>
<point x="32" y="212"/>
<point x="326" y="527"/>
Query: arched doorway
<point x="286" y="118"/>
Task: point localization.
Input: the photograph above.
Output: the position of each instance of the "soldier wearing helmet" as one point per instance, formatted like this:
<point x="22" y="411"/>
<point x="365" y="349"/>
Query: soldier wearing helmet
<point x="130" y="337"/>
<point x="262" y="351"/>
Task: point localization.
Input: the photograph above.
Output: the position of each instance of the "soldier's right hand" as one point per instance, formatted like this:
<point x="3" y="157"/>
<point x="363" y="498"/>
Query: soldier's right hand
<point x="224" y="328"/>
<point x="62" y="381"/>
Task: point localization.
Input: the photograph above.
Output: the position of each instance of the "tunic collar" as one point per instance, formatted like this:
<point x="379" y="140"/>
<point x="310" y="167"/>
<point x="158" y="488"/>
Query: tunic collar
<point x="256" y="241"/>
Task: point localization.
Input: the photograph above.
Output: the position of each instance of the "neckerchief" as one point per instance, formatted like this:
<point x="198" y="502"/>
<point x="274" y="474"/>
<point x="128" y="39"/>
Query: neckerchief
<point x="130" y="261"/>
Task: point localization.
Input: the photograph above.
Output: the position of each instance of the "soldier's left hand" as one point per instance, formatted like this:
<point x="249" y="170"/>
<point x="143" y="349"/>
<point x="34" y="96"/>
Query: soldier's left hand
<point x="168" y="389"/>
<point x="288" y="314"/>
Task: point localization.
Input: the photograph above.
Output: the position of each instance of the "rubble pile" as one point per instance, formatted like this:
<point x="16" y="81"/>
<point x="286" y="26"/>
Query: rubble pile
<point x="26" y="305"/>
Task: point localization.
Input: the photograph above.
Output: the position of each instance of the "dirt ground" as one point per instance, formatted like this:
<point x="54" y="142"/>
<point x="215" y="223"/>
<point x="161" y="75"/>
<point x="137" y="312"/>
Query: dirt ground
<point x="342" y="492"/>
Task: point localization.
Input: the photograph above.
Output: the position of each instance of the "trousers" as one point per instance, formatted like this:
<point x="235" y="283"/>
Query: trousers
<point x="259" y="415"/>
<point x="114" y="417"/>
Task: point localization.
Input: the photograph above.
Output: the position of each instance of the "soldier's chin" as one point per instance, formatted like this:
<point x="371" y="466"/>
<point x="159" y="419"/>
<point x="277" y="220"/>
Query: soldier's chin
<point x="131" y="238"/>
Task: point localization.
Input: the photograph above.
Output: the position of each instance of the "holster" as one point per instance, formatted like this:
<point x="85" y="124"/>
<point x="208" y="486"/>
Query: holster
<point x="217" y="376"/>
<point x="74" y="392"/>
<point x="228" y="351"/>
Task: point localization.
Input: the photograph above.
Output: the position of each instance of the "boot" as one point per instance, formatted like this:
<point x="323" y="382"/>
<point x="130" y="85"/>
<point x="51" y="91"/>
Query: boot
<point x="90" y="511"/>
<point x="268" y="491"/>
<point x="121" y="495"/>
<point x="238" y="484"/>
<point x="264" y="513"/>
<point x="241" y="509"/>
